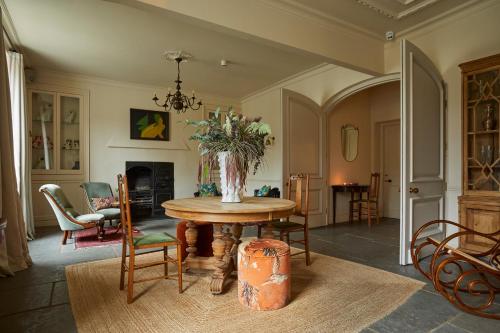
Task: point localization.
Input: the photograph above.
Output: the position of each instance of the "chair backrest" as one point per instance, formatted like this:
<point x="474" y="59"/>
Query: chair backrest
<point x="301" y="182"/>
<point x="96" y="190"/>
<point x="124" y="199"/>
<point x="374" y="189"/>
<point x="63" y="209"/>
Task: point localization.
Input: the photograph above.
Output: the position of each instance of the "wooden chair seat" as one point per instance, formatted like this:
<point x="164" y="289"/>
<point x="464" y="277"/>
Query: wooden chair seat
<point x="158" y="238"/>
<point x="287" y="225"/>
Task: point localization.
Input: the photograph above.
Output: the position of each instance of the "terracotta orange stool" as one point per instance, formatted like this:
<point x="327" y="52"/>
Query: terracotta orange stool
<point x="264" y="270"/>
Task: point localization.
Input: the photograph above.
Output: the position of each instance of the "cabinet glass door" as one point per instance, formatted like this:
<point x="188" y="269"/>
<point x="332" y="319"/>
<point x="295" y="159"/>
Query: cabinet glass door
<point x="483" y="141"/>
<point x="42" y="131"/>
<point x="69" y="134"/>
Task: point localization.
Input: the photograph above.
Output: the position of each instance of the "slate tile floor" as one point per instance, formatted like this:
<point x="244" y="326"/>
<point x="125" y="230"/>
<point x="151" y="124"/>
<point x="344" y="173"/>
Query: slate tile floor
<point x="36" y="300"/>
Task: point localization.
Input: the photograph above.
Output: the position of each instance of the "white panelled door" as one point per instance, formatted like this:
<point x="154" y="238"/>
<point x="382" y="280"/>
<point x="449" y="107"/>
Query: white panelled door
<point x="304" y="138"/>
<point x="422" y="146"/>
<point x="391" y="159"/>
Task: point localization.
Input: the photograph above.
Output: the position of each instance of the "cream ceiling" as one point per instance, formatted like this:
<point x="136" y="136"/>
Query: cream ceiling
<point x="125" y="39"/>
<point x="119" y="42"/>
<point x="375" y="17"/>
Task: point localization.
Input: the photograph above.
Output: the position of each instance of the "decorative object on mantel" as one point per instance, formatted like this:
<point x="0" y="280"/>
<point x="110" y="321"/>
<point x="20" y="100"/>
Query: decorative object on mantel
<point x="149" y="125"/>
<point x="178" y="100"/>
<point x="238" y="145"/>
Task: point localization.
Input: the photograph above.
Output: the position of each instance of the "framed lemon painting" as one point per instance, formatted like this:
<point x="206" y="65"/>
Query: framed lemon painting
<point x="149" y="125"/>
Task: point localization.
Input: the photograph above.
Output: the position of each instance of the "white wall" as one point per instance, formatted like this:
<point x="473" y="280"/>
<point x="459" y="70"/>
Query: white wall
<point x="110" y="145"/>
<point x="319" y="84"/>
<point x="469" y="35"/>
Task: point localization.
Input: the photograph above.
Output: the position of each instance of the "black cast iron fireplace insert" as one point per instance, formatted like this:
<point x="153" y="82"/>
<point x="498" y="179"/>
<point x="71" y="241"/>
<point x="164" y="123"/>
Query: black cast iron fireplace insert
<point x="150" y="184"/>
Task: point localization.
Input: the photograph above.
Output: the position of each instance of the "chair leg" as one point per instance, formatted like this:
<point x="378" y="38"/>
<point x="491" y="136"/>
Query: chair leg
<point x="369" y="205"/>
<point x="306" y="246"/>
<point x="70" y="234"/>
<point x="259" y="231"/>
<point x="165" y="257"/>
<point x="179" y="267"/>
<point x="130" y="285"/>
<point x="287" y="238"/>
<point x="377" y="213"/>
<point x="359" y="212"/>
<point x="124" y="258"/>
<point x="65" y="237"/>
<point x="351" y="207"/>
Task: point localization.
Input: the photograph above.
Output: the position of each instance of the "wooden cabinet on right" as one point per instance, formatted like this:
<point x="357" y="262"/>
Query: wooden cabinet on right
<point x="479" y="206"/>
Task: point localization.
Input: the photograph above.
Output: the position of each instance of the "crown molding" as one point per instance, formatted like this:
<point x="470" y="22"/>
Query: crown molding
<point x="300" y="10"/>
<point x="318" y="69"/>
<point x="453" y="14"/>
<point x="397" y="15"/>
<point x="320" y="17"/>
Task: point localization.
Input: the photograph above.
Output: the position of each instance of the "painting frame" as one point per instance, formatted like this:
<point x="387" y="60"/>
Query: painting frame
<point x="149" y="125"/>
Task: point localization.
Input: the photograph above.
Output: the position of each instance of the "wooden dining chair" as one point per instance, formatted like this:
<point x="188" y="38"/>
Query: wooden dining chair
<point x="160" y="240"/>
<point x="301" y="199"/>
<point x="368" y="205"/>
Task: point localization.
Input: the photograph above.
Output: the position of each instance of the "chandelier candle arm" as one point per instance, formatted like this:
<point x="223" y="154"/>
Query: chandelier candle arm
<point x="178" y="100"/>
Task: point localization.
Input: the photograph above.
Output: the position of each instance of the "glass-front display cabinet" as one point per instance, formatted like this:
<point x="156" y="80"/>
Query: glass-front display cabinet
<point x="42" y="131"/>
<point x="56" y="120"/>
<point x="480" y="202"/>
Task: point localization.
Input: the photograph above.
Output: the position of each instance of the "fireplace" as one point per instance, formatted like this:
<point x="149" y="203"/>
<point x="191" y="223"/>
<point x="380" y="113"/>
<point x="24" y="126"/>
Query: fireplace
<point x="150" y="184"/>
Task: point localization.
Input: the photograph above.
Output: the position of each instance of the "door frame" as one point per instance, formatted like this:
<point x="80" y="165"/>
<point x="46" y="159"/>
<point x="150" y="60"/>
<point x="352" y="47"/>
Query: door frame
<point x="330" y="105"/>
<point x="381" y="125"/>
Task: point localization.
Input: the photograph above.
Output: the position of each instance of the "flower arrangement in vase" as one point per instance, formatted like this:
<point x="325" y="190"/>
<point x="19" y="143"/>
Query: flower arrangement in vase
<point x="237" y="145"/>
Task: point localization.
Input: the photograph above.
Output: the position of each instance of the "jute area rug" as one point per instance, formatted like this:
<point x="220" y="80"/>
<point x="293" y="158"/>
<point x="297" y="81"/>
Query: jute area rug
<point x="331" y="295"/>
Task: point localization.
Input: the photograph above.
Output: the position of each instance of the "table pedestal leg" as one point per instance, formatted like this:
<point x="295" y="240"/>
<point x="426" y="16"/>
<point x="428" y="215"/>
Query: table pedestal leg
<point x="223" y="262"/>
<point x="191" y="237"/>
<point x="268" y="231"/>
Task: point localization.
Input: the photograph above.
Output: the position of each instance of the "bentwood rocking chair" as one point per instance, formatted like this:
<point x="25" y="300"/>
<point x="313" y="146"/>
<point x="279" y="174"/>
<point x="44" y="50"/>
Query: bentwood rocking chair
<point x="301" y="182"/>
<point x="161" y="240"/>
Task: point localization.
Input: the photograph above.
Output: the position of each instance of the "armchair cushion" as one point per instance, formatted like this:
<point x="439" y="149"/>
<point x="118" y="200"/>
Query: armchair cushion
<point x="89" y="218"/>
<point x="109" y="213"/>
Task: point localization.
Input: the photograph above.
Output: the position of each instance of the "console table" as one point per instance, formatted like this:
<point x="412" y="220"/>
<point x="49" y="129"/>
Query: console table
<point x="344" y="188"/>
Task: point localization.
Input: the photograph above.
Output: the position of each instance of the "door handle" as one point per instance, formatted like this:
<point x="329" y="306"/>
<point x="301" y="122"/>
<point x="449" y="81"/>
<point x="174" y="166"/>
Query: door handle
<point x="388" y="181"/>
<point x="414" y="190"/>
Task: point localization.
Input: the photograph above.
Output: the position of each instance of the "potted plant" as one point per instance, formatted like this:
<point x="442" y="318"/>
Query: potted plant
<point x="237" y="145"/>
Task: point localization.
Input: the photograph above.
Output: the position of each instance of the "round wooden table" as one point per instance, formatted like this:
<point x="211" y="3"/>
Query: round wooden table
<point x="228" y="220"/>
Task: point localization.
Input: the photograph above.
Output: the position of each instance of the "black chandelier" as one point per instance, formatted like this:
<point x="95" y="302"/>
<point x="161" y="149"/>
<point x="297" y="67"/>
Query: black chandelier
<point x="178" y="100"/>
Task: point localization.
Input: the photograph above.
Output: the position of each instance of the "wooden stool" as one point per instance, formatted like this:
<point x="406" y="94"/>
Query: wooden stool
<point x="264" y="269"/>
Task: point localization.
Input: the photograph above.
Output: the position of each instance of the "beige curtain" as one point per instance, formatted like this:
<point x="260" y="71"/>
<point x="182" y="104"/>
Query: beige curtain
<point x="14" y="255"/>
<point x="21" y="139"/>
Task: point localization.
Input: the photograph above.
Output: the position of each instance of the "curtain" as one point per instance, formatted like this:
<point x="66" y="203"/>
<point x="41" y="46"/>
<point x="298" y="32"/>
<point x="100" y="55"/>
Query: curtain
<point x="14" y="255"/>
<point x="22" y="158"/>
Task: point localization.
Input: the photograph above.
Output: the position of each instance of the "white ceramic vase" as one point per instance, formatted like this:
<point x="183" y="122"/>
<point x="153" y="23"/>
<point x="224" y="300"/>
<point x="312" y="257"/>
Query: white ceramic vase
<point x="231" y="192"/>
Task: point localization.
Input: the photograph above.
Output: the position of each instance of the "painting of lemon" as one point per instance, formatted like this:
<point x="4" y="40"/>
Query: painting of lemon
<point x="149" y="125"/>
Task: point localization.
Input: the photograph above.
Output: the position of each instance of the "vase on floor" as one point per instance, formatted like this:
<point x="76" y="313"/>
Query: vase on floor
<point x="230" y="179"/>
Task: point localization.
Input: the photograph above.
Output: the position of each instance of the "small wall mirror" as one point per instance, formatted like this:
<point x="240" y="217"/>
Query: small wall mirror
<point x="349" y="142"/>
